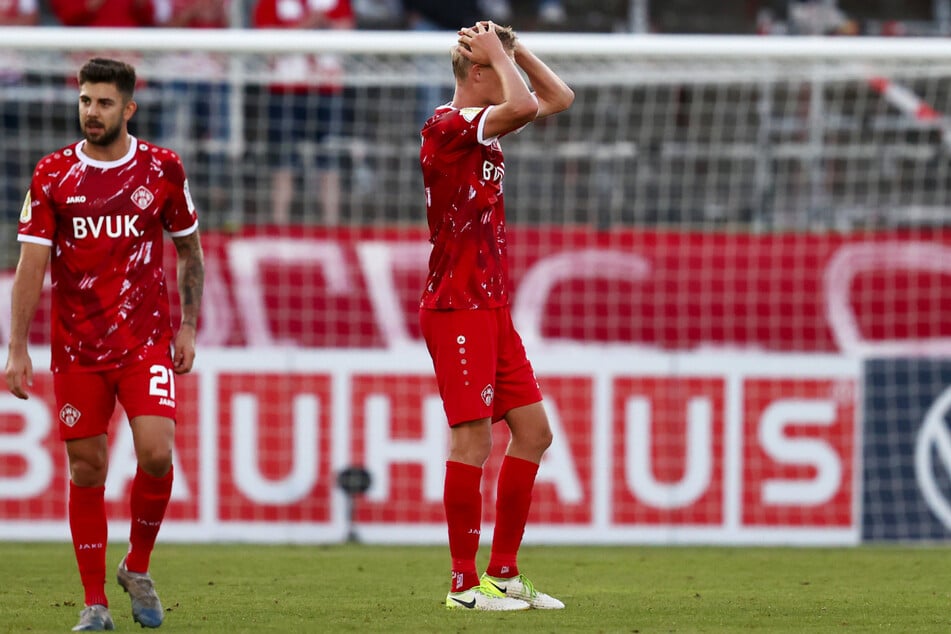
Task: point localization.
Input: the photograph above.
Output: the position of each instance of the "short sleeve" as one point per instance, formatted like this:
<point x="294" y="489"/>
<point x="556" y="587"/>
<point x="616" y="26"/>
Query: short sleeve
<point x="179" y="216"/>
<point x="37" y="219"/>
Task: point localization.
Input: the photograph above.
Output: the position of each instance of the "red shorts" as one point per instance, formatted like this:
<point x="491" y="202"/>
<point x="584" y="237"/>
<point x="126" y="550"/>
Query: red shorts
<point x="480" y="363"/>
<point x="86" y="400"/>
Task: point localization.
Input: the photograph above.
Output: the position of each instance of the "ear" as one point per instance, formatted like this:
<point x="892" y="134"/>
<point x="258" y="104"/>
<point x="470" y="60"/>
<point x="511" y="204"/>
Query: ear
<point x="130" y="109"/>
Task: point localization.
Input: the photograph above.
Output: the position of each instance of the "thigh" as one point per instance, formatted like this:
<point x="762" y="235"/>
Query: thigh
<point x="515" y="383"/>
<point x="85" y="402"/>
<point x="147" y="388"/>
<point x="462" y="344"/>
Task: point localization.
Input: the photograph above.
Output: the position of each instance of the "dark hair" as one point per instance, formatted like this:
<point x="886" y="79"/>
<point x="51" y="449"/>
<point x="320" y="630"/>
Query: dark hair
<point x="100" y="70"/>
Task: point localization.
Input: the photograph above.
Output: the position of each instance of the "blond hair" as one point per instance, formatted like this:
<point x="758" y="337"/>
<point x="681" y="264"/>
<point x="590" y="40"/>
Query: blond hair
<point x="461" y="64"/>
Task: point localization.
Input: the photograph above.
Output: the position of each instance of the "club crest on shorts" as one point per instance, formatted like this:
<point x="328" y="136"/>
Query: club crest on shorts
<point x="488" y="393"/>
<point x="69" y="415"/>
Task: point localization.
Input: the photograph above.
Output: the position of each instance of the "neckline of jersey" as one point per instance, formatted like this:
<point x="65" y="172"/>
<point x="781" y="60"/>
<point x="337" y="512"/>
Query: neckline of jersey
<point x="87" y="160"/>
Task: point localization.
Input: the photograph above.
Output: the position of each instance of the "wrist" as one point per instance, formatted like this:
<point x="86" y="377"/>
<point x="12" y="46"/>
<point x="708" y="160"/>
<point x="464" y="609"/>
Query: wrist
<point x="17" y="346"/>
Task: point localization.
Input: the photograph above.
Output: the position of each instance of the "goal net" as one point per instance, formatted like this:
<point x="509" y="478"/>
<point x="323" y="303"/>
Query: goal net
<point x="731" y="263"/>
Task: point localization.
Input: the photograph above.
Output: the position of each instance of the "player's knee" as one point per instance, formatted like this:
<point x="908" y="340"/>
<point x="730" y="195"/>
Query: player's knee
<point x="474" y="454"/>
<point x="544" y="439"/>
<point x="88" y="473"/>
<point x="155" y="461"/>
<point x="536" y="442"/>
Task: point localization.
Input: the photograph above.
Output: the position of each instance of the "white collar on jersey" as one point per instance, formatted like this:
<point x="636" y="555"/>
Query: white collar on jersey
<point x="83" y="158"/>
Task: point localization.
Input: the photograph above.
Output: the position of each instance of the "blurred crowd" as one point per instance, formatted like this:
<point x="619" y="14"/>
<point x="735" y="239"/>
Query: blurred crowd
<point x="765" y="17"/>
<point x="305" y="104"/>
<point x="378" y="14"/>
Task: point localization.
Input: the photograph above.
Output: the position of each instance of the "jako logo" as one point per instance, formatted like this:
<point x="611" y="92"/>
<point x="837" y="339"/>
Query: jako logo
<point x="934" y="441"/>
<point x="72" y="200"/>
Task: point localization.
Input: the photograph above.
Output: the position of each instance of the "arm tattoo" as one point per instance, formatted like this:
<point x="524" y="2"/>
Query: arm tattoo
<point x="191" y="276"/>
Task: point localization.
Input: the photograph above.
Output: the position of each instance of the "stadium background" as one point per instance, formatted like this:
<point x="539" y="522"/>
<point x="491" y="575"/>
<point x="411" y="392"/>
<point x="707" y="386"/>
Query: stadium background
<point x="731" y="263"/>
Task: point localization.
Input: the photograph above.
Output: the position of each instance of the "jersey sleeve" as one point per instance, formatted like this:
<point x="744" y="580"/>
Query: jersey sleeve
<point x="37" y="220"/>
<point x="461" y="130"/>
<point x="179" y="217"/>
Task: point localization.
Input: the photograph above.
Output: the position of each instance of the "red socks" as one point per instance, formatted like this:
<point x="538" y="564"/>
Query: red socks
<point x="87" y="523"/>
<point x="462" y="498"/>
<point x="148" y="501"/>
<point x="512" y="501"/>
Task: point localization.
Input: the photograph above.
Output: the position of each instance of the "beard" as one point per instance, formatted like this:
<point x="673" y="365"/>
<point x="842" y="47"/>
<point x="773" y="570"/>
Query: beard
<point x="104" y="138"/>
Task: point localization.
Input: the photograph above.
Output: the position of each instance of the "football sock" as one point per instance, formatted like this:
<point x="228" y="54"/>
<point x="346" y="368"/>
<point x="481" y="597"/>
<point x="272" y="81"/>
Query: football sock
<point x="148" y="502"/>
<point x="462" y="498"/>
<point x="87" y="524"/>
<point x="512" y="501"/>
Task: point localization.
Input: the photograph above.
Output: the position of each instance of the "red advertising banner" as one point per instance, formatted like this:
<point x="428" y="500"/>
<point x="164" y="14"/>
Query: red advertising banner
<point x="858" y="293"/>
<point x="652" y="448"/>
<point x="701" y="387"/>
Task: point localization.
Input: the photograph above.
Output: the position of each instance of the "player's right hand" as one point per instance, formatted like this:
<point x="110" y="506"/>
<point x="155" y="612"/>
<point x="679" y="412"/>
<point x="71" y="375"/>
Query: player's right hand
<point x="480" y="43"/>
<point x="19" y="374"/>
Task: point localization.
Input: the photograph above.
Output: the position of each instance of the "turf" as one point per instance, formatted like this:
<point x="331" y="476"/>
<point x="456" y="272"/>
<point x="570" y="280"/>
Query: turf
<point x="354" y="588"/>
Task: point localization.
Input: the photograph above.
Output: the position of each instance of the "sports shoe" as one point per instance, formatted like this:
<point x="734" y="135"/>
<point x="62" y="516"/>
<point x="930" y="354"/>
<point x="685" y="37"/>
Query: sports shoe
<point x="486" y="598"/>
<point x="521" y="587"/>
<point x="94" y="618"/>
<point x="146" y="607"/>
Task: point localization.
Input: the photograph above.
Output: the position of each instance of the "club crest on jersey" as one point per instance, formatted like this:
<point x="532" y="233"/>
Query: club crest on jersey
<point x="69" y="415"/>
<point x="488" y="395"/>
<point x="142" y="198"/>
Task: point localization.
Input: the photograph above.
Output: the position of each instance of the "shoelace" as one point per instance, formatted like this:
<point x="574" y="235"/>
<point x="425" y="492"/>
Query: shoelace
<point x="529" y="586"/>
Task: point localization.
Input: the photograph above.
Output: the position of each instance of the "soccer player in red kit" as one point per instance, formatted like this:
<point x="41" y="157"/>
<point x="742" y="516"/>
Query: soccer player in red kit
<point x="97" y="211"/>
<point x="479" y="361"/>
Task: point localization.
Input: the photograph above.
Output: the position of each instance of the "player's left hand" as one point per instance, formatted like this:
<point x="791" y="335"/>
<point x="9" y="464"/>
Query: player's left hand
<point x="184" y="349"/>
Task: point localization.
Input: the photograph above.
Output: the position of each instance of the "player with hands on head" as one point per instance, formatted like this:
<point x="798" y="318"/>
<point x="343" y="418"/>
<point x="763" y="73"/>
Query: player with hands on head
<point x="97" y="211"/>
<point x="481" y="368"/>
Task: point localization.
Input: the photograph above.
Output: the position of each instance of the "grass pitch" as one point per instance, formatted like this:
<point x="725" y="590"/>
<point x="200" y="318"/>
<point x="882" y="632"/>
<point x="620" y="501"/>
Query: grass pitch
<point x="354" y="588"/>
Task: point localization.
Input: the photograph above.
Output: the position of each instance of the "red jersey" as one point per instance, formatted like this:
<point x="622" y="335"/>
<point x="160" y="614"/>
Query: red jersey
<point x="462" y="176"/>
<point x="104" y="222"/>
<point x="13" y="10"/>
<point x="13" y="13"/>
<point x="120" y="13"/>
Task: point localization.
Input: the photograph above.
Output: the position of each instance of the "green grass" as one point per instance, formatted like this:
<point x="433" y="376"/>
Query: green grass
<point x="353" y="588"/>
